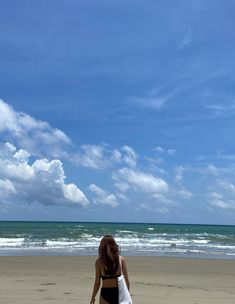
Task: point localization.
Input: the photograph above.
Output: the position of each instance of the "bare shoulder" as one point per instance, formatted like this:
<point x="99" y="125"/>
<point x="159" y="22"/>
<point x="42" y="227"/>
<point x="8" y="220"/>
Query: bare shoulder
<point x="97" y="262"/>
<point x="123" y="260"/>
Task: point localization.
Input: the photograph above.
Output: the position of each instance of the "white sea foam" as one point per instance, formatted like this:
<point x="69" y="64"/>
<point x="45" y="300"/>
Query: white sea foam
<point x="86" y="235"/>
<point x="201" y="241"/>
<point x="126" y="231"/>
<point x="82" y="240"/>
<point x="11" y="242"/>
<point x="59" y="244"/>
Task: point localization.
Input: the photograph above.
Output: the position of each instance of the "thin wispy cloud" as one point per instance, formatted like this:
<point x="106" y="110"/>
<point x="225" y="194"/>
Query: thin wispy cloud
<point x="187" y="38"/>
<point x="155" y="99"/>
<point x="221" y="108"/>
<point x="219" y="202"/>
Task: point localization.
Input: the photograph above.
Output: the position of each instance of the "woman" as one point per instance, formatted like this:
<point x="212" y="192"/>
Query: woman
<point x="108" y="267"/>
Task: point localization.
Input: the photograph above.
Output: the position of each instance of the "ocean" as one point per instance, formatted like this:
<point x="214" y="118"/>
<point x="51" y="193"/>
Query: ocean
<point x="134" y="239"/>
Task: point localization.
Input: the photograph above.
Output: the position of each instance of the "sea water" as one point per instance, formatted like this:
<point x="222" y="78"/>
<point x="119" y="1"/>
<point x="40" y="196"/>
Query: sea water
<point x="134" y="239"/>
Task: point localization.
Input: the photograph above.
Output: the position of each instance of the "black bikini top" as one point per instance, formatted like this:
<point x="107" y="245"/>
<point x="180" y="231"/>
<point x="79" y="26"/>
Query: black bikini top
<point x="106" y="277"/>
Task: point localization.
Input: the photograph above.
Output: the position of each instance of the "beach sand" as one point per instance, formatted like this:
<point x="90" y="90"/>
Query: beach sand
<point x="158" y="280"/>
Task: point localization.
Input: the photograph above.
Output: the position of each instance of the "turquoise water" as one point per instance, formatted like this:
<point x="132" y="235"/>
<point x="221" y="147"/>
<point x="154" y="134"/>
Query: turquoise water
<point x="68" y="238"/>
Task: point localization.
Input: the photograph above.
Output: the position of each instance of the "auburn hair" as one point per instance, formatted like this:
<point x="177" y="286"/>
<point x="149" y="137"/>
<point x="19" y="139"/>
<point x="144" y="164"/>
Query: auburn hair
<point x="109" y="254"/>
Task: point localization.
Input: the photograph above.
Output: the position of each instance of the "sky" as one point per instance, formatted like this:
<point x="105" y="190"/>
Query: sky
<point x="117" y="111"/>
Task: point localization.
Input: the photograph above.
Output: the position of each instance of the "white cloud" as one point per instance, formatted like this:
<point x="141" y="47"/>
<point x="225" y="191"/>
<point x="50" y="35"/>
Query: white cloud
<point x="154" y="103"/>
<point x="159" y="197"/>
<point x="11" y="167"/>
<point x="159" y="149"/>
<point x="153" y="193"/>
<point x="156" y="98"/>
<point x="41" y="182"/>
<point x="92" y="156"/>
<point x="99" y="157"/>
<point x="171" y="151"/>
<point x="179" y="173"/>
<point x="218" y="103"/>
<point x="74" y="195"/>
<point x="102" y="196"/>
<point x="218" y="201"/>
<point x="33" y="135"/>
<point x="122" y="197"/>
<point x="116" y="156"/>
<point x="222" y="195"/>
<point x="184" y="193"/>
<point x="227" y="186"/>
<point x="129" y="179"/>
<point x="129" y="157"/>
<point x="212" y="169"/>
<point x="39" y="139"/>
<point x="150" y="208"/>
<point x="6" y="188"/>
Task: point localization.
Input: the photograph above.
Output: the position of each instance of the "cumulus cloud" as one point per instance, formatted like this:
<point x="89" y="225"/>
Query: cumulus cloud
<point x="102" y="196"/>
<point x="152" y="192"/>
<point x="100" y="157"/>
<point x="129" y="179"/>
<point x="33" y="135"/>
<point x="97" y="157"/>
<point x="41" y="140"/>
<point x="42" y="182"/>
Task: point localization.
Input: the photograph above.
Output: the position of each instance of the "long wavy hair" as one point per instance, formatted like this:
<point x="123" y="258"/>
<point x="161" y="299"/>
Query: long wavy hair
<point x="109" y="254"/>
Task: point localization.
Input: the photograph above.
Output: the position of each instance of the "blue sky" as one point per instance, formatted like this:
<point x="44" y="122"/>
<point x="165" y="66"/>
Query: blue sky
<point x="117" y="111"/>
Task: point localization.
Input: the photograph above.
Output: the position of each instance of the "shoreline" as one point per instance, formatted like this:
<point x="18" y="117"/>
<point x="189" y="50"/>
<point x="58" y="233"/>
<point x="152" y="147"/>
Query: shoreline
<point x="69" y="279"/>
<point x="128" y="255"/>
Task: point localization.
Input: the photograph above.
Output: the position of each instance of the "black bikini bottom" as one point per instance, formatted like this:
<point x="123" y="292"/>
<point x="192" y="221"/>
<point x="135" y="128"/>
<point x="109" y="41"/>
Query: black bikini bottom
<point x="110" y="294"/>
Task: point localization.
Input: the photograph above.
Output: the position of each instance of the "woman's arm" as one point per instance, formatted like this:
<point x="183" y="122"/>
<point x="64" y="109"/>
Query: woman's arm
<point x="125" y="273"/>
<point x="96" y="283"/>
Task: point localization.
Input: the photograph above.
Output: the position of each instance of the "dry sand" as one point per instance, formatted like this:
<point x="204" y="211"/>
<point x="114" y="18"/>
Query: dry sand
<point x="157" y="280"/>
